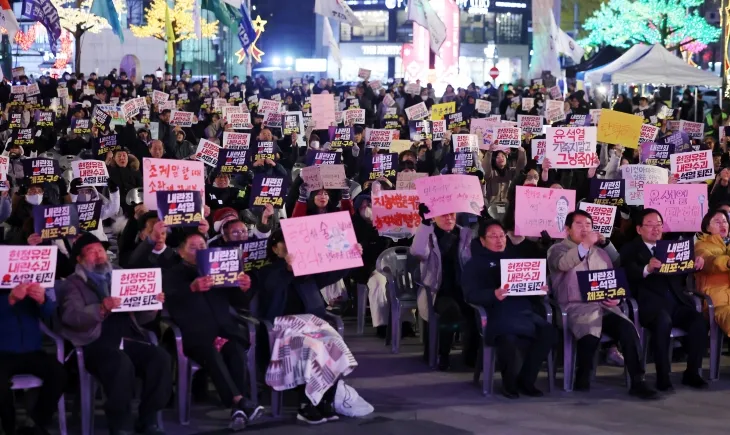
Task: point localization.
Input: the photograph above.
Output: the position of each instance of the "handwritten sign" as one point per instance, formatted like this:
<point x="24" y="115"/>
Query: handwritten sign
<point x="222" y="264"/>
<point x="607" y="192"/>
<point x="681" y="205"/>
<point x="182" y="119"/>
<point x="602" y="216"/>
<point x="523" y="277"/>
<point x="695" y="130"/>
<point x="395" y="213"/>
<point x="406" y="180"/>
<point x="637" y="177"/>
<point x="602" y="285"/>
<point x="693" y="166"/>
<point x="180" y="208"/>
<point x="417" y="112"/>
<point x="207" y="152"/>
<point x="398" y="146"/>
<point x="321" y="243"/>
<point x="236" y="140"/>
<point x="137" y="288"/>
<point x="323" y="111"/>
<point x="438" y="111"/>
<point x="677" y="257"/>
<point x="538" y="150"/>
<point x="571" y="147"/>
<point x="91" y="172"/>
<point x="170" y="175"/>
<point x="539" y="209"/>
<point x="619" y="128"/>
<point x="22" y="264"/>
<point x="55" y="221"/>
<point x="530" y="124"/>
<point x="445" y="194"/>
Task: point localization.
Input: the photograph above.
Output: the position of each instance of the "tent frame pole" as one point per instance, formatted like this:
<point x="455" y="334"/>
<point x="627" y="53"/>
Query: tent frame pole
<point x="695" y="103"/>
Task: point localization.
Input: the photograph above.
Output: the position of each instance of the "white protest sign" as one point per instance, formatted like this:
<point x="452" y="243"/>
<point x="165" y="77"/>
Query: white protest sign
<point x="21" y="264"/>
<point x="528" y="104"/>
<point x="571" y="147"/>
<point x="137" y="288"/>
<point x="523" y="277"/>
<point x="483" y="106"/>
<point x="509" y="137"/>
<point x="648" y="133"/>
<point x="91" y="172"/>
<point x="637" y="177"/>
<point x="530" y="124"/>
<point x="168" y="175"/>
<point x="207" y="152"/>
<point x="602" y="216"/>
<point x="363" y="73"/>
<point x="538" y="150"/>
<point x="182" y="119"/>
<point x="354" y="116"/>
<point x="692" y="166"/>
<point x="417" y="112"/>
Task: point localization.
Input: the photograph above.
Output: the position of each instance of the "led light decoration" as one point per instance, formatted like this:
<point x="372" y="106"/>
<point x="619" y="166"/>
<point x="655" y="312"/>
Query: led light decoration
<point x="253" y="50"/>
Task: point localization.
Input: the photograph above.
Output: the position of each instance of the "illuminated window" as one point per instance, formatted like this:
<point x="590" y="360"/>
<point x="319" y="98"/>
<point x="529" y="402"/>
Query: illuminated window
<point x="374" y="27"/>
<point x="509" y="28"/>
<point x="477" y="29"/>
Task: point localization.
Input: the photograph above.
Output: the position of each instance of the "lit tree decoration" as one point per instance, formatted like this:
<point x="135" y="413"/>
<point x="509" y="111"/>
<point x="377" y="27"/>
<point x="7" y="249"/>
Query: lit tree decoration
<point x="64" y="54"/>
<point x="26" y="39"/>
<point x="77" y="19"/>
<point x="622" y="23"/>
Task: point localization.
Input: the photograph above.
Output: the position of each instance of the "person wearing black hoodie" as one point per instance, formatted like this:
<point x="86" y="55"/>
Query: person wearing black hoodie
<point x="522" y="337"/>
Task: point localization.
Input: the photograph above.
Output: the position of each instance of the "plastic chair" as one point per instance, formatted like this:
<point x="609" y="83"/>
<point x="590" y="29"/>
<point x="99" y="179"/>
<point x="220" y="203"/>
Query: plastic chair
<point x="402" y="289"/>
<point x="497" y="210"/>
<point x="27" y="382"/>
<point x="362" y="304"/>
<point x="186" y="369"/>
<point x="488" y="355"/>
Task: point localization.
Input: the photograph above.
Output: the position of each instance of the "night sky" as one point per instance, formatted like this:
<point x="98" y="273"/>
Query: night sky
<point x="290" y="30"/>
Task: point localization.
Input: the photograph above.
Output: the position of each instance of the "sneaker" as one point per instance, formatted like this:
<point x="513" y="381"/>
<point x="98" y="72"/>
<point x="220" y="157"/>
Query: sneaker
<point x="614" y="357"/>
<point x="253" y="413"/>
<point x="309" y="414"/>
<point x="327" y="410"/>
<point x="238" y="420"/>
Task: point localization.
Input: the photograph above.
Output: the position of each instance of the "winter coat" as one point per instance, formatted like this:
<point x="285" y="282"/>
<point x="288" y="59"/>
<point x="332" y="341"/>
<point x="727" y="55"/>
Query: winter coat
<point x="714" y="278"/>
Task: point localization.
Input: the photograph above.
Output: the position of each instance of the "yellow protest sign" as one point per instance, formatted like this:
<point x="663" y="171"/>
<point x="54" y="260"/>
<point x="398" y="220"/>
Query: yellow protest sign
<point x="397" y="146"/>
<point x="438" y="111"/>
<point x="619" y="128"/>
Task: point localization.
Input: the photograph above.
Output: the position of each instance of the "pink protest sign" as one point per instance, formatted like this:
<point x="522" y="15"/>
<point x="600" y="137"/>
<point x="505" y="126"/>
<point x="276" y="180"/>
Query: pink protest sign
<point x="395" y="213"/>
<point x="571" y="147"/>
<point x="323" y="111"/>
<point x="444" y="194"/>
<point x="321" y="243"/>
<point x="682" y="205"/>
<point x="483" y="128"/>
<point x="168" y="175"/>
<point x="539" y="208"/>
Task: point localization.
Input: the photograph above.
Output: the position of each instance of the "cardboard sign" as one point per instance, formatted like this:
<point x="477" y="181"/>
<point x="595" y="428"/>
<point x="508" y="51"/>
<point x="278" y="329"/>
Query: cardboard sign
<point x="648" y="133"/>
<point x="321" y="243"/>
<point x="540" y="209"/>
<point x="323" y="111"/>
<point x="207" y="152"/>
<point x="419" y="130"/>
<point x="439" y="111"/>
<point x="138" y="289"/>
<point x="354" y="116"/>
<point x="89" y="214"/>
<point x="528" y="104"/>
<point x="483" y="106"/>
<point x="383" y="165"/>
<point x="538" y="150"/>
<point x="602" y="217"/>
<point x="417" y="112"/>
<point x="268" y="190"/>
<point x="55" y="221"/>
<point x="677" y="257"/>
<point x="378" y="138"/>
<point x="91" y="172"/>
<point x="222" y="264"/>
<point x="693" y="166"/>
<point x="319" y="158"/>
<point x="571" y="147"/>
<point x="180" y="208"/>
<point x="656" y="154"/>
<point x="170" y="175"/>
<point x="530" y="124"/>
<point x="619" y="128"/>
<point x="607" y="192"/>
<point x="236" y="140"/>
<point x="406" y="180"/>
<point x="253" y="254"/>
<point x="395" y="213"/>
<point x="104" y="144"/>
<point x="602" y="285"/>
<point x="41" y="170"/>
<point x="444" y="194"/>
<point x="233" y="161"/>
<point x="509" y="137"/>
<point x="523" y="277"/>
<point x="22" y="264"/>
<point x="240" y="121"/>
<point x="637" y="177"/>
<point x="182" y="119"/>
<point x="695" y="130"/>
<point x="465" y="142"/>
<point x="681" y="205"/>
<point x="438" y="129"/>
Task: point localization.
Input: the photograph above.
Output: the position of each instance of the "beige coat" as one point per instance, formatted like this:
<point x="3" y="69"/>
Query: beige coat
<point x="584" y="318"/>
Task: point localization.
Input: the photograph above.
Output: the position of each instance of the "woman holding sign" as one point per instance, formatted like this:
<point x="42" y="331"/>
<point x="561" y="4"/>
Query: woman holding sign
<point x="714" y="279"/>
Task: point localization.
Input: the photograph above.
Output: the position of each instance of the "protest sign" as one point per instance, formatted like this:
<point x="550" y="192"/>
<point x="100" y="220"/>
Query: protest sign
<point x="681" y="205"/>
<point x="318" y="158"/>
<point x="680" y="140"/>
<point x="508" y="137"/>
<point x="363" y="73"/>
<point x="44" y="118"/>
<point x="264" y="150"/>
<point x="167" y="105"/>
<point x="269" y="106"/>
<point x="528" y="104"/>
<point x="637" y="177"/>
<point x="180" y="208"/>
<point x="311" y="178"/>
<point x="383" y="165"/>
<point x="290" y="123"/>
<point x="236" y="140"/>
<point x="413" y="88"/>
<point x="222" y="264"/>
<point x="388" y="100"/>
<point x="18" y="71"/>
<point x="253" y="254"/>
<point x="482" y="127"/>
<point x="398" y="146"/>
<point x="23" y="137"/>
<point x="571" y="147"/>
<point x="648" y="133"/>
<point x="619" y="128"/>
<point x="463" y="162"/>
<point x="607" y="192"/>
<point x="323" y="111"/>
<point x="695" y="130"/>
<point x="105" y="144"/>
<point x="341" y="137"/>
<point x="207" y="152"/>
<point x="656" y="154"/>
<point x="438" y="111"/>
<point x="523" y="277"/>
<point x="39" y="170"/>
<point x="602" y="217"/>
<point x="159" y="97"/>
<point x="444" y="194"/>
<point x="182" y="119"/>
<point x="455" y="121"/>
<point x="555" y="111"/>
<point x="465" y="142"/>
<point x="32" y="89"/>
<point x="89" y="214"/>
<point x="417" y="112"/>
<point x="321" y="243"/>
<point x="354" y="116"/>
<point x="395" y="213"/>
<point x="677" y="257"/>
<point x="406" y="180"/>
<point x="420" y="130"/>
<point x="378" y="138"/>
<point x="268" y="190"/>
<point x="233" y="160"/>
<point x="595" y="115"/>
<point x="55" y="221"/>
<point x="375" y="85"/>
<point x="602" y="285"/>
<point x="538" y="209"/>
<point x="240" y="121"/>
<point x="693" y="166"/>
<point x="137" y="288"/>
<point x="16" y="121"/>
<point x="91" y="172"/>
<point x="227" y="111"/>
<point x="483" y="106"/>
<point x="438" y="128"/>
<point x="170" y="175"/>
<point x="530" y="124"/>
<point x="273" y="120"/>
<point x="129" y="109"/>
<point x="22" y="264"/>
<point x="555" y="93"/>
<point x="538" y="150"/>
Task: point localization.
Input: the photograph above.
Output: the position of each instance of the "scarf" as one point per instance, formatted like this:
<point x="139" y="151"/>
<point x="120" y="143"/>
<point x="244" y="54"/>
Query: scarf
<point x="101" y="281"/>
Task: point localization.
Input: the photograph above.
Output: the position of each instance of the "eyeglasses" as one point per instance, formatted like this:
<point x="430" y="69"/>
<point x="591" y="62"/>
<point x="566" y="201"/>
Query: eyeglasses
<point x="497" y="236"/>
<point x="239" y="233"/>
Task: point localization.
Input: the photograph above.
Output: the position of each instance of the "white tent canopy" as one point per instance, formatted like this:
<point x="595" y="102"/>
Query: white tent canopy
<point x="595" y="76"/>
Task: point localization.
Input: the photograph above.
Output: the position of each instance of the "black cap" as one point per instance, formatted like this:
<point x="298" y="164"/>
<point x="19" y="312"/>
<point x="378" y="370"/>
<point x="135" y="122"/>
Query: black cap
<point x="84" y="240"/>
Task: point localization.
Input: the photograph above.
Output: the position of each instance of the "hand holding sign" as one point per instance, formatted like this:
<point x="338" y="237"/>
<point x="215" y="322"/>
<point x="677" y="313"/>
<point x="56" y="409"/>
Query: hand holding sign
<point x="201" y="284"/>
<point x="501" y="293"/>
<point x="653" y="265"/>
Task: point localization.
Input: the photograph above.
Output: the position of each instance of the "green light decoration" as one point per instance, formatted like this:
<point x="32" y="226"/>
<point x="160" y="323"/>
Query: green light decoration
<point x="673" y="23"/>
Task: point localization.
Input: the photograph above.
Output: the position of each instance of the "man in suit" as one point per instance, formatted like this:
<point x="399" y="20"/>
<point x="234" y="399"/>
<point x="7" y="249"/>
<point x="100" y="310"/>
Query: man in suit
<point x="664" y="302"/>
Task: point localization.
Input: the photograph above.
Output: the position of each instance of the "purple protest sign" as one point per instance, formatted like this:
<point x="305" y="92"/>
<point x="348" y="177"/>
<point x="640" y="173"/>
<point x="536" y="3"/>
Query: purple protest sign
<point x="462" y="163"/>
<point x="656" y="154"/>
<point x="319" y="158"/>
<point x="221" y="264"/>
<point x="55" y="221"/>
<point x="268" y="190"/>
<point x="182" y="208"/>
<point x="383" y="165"/>
<point x="607" y="192"/>
<point x="341" y="137"/>
<point x="232" y="161"/>
<point x="253" y="254"/>
<point x="89" y="214"/>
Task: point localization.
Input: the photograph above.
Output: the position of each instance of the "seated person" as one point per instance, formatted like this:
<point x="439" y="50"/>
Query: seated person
<point x="664" y="302"/>
<point x="21" y="310"/>
<point x="115" y="346"/>
<point x="714" y="278"/>
<point x="580" y="251"/>
<point x="150" y="249"/>
<point x="203" y="315"/>
<point x="522" y="336"/>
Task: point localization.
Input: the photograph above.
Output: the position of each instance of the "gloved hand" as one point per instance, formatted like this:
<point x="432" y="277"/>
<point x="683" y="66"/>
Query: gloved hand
<point x="303" y="192"/>
<point x="422" y="211"/>
<point x="74" y="188"/>
<point x="545" y="238"/>
<point x="112" y="185"/>
<point x="355" y="150"/>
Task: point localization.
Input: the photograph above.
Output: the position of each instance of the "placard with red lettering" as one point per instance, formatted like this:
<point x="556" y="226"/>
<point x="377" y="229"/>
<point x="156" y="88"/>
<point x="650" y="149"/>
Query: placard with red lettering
<point x="91" y="172"/>
<point x="524" y="277"/>
<point x="182" y="119"/>
<point x="695" y="130"/>
<point x="22" y="264"/>
<point x="602" y="216"/>
<point x="240" y="121"/>
<point x="207" y="152"/>
<point x="528" y="104"/>
<point x="692" y="166"/>
<point x="444" y="194"/>
<point x="538" y="150"/>
<point x="681" y="205"/>
<point x="55" y="221"/>
<point x="648" y="133"/>
<point x="378" y="138"/>
<point x="438" y="128"/>
<point x="395" y="213"/>
<point x="236" y="140"/>
<point x="539" y="209"/>
<point x="137" y="288"/>
<point x="509" y="137"/>
<point x="159" y="97"/>
<point x="483" y="106"/>
<point x="168" y="175"/>
<point x="465" y="142"/>
<point x="571" y="147"/>
<point x="268" y="190"/>
<point x="530" y="124"/>
<point x="321" y="243"/>
<point x="354" y="116"/>
<point x="417" y="112"/>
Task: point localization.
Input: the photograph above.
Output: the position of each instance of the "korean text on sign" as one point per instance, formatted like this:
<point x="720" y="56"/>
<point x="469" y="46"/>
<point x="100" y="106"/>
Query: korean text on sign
<point x="55" y="221"/>
<point x="253" y="254"/>
<point x="677" y="257"/>
<point x="180" y="208"/>
<point x="602" y="285"/>
<point x="540" y="209"/>
<point x="571" y="147"/>
<point x="523" y="277"/>
<point x="137" y="288"/>
<point x="602" y="217"/>
<point x="395" y="213"/>
<point x="21" y="264"/>
<point x="639" y="176"/>
<point x="91" y="172"/>
<point x="222" y="264"/>
<point x="607" y="192"/>
<point x="692" y="166"/>
<point x="681" y="205"/>
<point x="169" y="175"/>
<point x="444" y="194"/>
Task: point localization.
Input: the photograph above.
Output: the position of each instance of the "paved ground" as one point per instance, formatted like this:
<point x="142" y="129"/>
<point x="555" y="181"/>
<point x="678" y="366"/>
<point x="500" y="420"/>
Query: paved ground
<point x="410" y="399"/>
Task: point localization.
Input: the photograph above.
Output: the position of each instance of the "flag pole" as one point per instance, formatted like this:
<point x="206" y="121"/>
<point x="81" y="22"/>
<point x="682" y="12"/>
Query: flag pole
<point x="249" y="60"/>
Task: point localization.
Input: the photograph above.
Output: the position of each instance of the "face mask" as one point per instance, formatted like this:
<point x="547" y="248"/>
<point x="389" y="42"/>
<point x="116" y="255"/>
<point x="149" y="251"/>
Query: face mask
<point x="367" y="214"/>
<point x="539" y="104"/>
<point x="255" y="92"/>
<point x="14" y="155"/>
<point x="314" y="145"/>
<point x="34" y="199"/>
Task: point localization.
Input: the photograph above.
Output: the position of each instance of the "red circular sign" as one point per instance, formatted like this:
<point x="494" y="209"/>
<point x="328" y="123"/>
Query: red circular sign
<point x="494" y="72"/>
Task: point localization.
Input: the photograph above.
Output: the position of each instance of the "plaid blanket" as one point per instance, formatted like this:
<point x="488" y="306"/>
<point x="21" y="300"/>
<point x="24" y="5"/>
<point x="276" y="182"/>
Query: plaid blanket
<point x="307" y="351"/>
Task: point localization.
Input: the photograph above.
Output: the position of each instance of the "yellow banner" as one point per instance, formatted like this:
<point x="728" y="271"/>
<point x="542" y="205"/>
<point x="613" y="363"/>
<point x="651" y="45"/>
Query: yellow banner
<point x="438" y="111"/>
<point x="619" y="128"/>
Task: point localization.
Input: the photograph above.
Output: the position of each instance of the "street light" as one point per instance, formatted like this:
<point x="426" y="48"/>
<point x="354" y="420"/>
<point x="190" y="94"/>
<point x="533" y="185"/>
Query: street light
<point x="276" y="61"/>
<point x="289" y="61"/>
